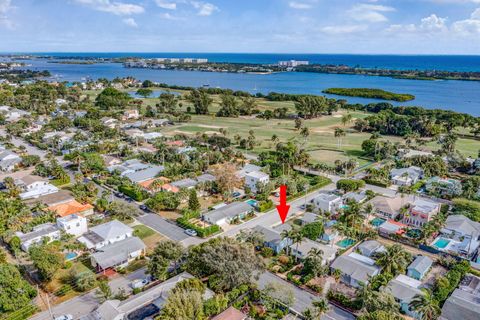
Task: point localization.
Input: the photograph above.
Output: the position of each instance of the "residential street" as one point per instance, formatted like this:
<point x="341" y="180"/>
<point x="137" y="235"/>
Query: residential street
<point x="163" y="227"/>
<point x="303" y="299"/>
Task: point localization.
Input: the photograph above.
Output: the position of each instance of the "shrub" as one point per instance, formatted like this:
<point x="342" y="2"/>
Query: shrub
<point x="284" y="259"/>
<point x="265" y="205"/>
<point x="348" y="185"/>
<point x="267" y="252"/>
<point x="132" y="192"/>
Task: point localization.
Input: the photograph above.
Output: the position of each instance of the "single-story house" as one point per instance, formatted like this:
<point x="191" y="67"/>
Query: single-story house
<point x="419" y="267"/>
<point x="329" y="235"/>
<point x="328" y="202"/>
<point x="150" y="136"/>
<point x="308" y="217"/>
<point x="118" y="254"/>
<point x="73" y="224"/>
<point x="410" y="153"/>
<point x="39" y="233"/>
<point x="406" y="176"/>
<point x="463" y="303"/>
<point x="206" y="177"/>
<point x="358" y="197"/>
<point x="146" y="174"/>
<point x="184" y="183"/>
<point x="392" y="227"/>
<point x="355" y="269"/>
<point x="34" y="186"/>
<point x="404" y="289"/>
<point x="462" y="235"/>
<point x="105" y="234"/>
<point x="304" y="247"/>
<point x="53" y="199"/>
<point x="273" y="239"/>
<point x="228" y="213"/>
<point x="9" y="160"/>
<point x="370" y="247"/>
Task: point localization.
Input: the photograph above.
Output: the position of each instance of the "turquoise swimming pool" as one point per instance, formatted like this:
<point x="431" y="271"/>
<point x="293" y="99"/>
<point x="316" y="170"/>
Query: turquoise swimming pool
<point x="441" y="243"/>
<point x="345" y="243"/>
<point x="252" y="202"/>
<point x="70" y="256"/>
<point x="377" y="222"/>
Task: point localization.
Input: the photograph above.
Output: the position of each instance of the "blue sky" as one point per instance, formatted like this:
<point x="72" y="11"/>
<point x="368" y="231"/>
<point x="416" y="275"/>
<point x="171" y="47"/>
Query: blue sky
<point x="306" y="26"/>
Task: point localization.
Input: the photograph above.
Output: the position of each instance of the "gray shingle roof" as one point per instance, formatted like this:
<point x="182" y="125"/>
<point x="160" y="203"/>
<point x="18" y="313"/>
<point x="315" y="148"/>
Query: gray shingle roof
<point x="229" y="211"/>
<point x="111" y="230"/>
<point x="269" y="235"/>
<point x="356" y="269"/>
<point x="39" y="231"/>
<point x="184" y="183"/>
<point x="402" y="291"/>
<point x="461" y="305"/>
<point x="144" y="175"/>
<point x="117" y="252"/>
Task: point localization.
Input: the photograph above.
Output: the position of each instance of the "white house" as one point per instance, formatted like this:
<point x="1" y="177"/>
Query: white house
<point x="109" y="122"/>
<point x="40" y="233"/>
<point x="131" y="114"/>
<point x="328" y="202"/>
<point x="406" y="176"/>
<point x="73" y="224"/>
<point x="8" y="160"/>
<point x="256" y="178"/>
<point x="34" y="187"/>
<point x="106" y="234"/>
<point x="118" y="254"/>
<point x="227" y="213"/>
<point x="303" y="249"/>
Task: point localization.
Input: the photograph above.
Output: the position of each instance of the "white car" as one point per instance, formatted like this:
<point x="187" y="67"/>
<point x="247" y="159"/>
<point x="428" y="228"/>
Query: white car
<point x="64" y="317"/>
<point x="139" y="283"/>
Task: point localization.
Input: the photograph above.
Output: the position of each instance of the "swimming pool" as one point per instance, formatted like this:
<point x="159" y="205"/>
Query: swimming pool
<point x="441" y="243"/>
<point x="252" y="202"/>
<point x="345" y="243"/>
<point x="70" y="256"/>
<point x="377" y="222"/>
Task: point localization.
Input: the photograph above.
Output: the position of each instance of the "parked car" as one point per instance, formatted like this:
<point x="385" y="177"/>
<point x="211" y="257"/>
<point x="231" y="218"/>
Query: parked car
<point x="64" y="317"/>
<point x="139" y="283"/>
<point x="118" y="194"/>
<point x="144" y="208"/>
<point x="191" y="232"/>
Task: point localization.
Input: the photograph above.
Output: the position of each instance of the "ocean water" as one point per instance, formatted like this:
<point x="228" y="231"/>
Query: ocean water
<point x="461" y="96"/>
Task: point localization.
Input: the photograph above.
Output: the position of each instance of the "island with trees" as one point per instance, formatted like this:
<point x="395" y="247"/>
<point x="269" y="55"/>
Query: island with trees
<point x="370" y="93"/>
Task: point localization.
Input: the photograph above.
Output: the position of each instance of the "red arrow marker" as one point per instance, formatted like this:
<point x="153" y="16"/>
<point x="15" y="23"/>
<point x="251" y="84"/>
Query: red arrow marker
<point x="283" y="207"/>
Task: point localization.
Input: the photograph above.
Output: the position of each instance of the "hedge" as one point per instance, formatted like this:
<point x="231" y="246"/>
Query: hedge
<point x="265" y="205"/>
<point x="132" y="192"/>
<point x="376" y="183"/>
<point x="185" y="223"/>
<point x="345" y="301"/>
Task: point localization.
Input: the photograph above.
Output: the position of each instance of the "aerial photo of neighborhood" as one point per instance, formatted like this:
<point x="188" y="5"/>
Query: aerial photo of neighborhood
<point x="158" y="161"/>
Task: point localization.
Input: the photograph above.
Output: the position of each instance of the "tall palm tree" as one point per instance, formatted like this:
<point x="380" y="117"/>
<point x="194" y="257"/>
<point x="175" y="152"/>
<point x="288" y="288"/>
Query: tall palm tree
<point x="339" y="133"/>
<point x="346" y="119"/>
<point x="394" y="259"/>
<point x="425" y="305"/>
<point x="297" y="238"/>
<point x="287" y="234"/>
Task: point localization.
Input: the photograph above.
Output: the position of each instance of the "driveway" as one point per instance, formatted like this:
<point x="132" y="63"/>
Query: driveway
<point x="162" y="226"/>
<point x="77" y="307"/>
<point x="303" y="299"/>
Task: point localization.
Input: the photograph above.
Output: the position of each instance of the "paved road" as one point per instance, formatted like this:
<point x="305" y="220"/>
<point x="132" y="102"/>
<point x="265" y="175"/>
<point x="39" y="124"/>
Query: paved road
<point x="303" y="299"/>
<point x="77" y="307"/>
<point x="163" y="227"/>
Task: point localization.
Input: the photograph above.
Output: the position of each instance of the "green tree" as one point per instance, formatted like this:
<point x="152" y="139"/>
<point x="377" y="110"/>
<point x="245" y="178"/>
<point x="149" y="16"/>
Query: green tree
<point x="201" y="101"/>
<point x="166" y="253"/>
<point x="111" y="98"/>
<point x="228" y="262"/>
<point x="16" y="292"/>
<point x="193" y="203"/>
<point x="104" y="292"/>
<point x="47" y="259"/>
<point x="426" y="305"/>
<point x="183" y="304"/>
<point x="144" y="92"/>
<point x="394" y="259"/>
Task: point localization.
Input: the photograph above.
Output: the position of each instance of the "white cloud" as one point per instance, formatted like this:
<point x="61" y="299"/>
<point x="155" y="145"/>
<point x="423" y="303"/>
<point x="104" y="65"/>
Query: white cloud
<point x="130" y="22"/>
<point x="433" y="23"/>
<point x="344" y="29"/>
<point x="299" y="5"/>
<point x="468" y="26"/>
<point x="117" y="8"/>
<point x="168" y="16"/>
<point x="5" y="7"/>
<point x="369" y="12"/>
<point x="166" y="4"/>
<point x="204" y="8"/>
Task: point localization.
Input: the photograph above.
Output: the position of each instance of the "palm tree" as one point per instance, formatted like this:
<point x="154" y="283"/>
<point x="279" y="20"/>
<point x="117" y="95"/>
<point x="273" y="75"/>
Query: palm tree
<point x="297" y="238"/>
<point x="425" y="305"/>
<point x="394" y="259"/>
<point x="346" y="119"/>
<point x="339" y="133"/>
<point x="274" y="138"/>
<point x="287" y="234"/>
<point x="305" y="132"/>
<point x="320" y="307"/>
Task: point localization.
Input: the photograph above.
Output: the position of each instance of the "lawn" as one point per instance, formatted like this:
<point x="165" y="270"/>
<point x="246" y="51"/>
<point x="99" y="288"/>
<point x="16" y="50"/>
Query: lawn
<point x="142" y="231"/>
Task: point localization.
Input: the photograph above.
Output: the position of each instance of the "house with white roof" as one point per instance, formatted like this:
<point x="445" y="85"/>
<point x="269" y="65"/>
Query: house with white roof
<point x="228" y="213"/>
<point x="131" y="114"/>
<point x="73" y="224"/>
<point x="118" y="254"/>
<point x="406" y="176"/>
<point x="355" y="269"/>
<point x="34" y="186"/>
<point x="370" y="248"/>
<point x="443" y="187"/>
<point x="13" y="114"/>
<point x="9" y="160"/>
<point x="248" y="168"/>
<point x="460" y="235"/>
<point x="109" y="122"/>
<point x="254" y="179"/>
<point x="304" y="247"/>
<point x="105" y="234"/>
<point x="137" y="171"/>
<point x="40" y="233"/>
<point x="328" y="202"/>
<point x="420" y="212"/>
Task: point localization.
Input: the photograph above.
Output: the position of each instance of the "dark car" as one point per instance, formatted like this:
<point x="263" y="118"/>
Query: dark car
<point x="144" y="208"/>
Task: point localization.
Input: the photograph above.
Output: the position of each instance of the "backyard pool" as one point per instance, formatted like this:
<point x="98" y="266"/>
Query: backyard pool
<point x="70" y="256"/>
<point x="377" y="222"/>
<point x="345" y="243"/>
<point x="441" y="243"/>
<point x="252" y="202"/>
